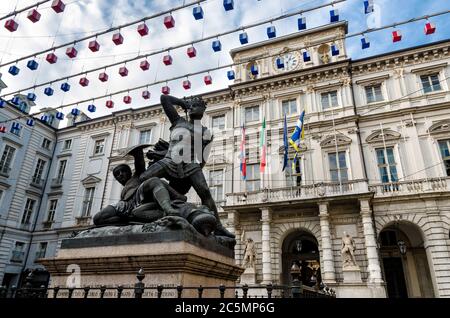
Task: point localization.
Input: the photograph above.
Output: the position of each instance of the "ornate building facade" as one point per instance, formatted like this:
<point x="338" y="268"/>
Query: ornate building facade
<point x="374" y="164"/>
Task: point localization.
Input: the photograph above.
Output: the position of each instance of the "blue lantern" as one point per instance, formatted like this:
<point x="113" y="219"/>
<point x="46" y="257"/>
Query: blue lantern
<point x="254" y="69"/>
<point x="65" y="87"/>
<point x="301" y="23"/>
<point x="15" y="101"/>
<point x="228" y="5"/>
<point x="32" y="65"/>
<point x="2" y="103"/>
<point x="231" y="75"/>
<point x="334" y="15"/>
<point x="368" y="6"/>
<point x="216" y="46"/>
<point x="365" y="44"/>
<point x="31" y="97"/>
<point x="48" y="91"/>
<point x="30" y="122"/>
<point x="91" y="108"/>
<point x="306" y="56"/>
<point x="44" y="118"/>
<point x="23" y="106"/>
<point x="15" y="127"/>
<point x="197" y="12"/>
<point x="75" y="111"/>
<point x="280" y="62"/>
<point x="14" y="70"/>
<point x="243" y="38"/>
<point x="334" y="50"/>
<point x="271" y="32"/>
<point x="59" y="116"/>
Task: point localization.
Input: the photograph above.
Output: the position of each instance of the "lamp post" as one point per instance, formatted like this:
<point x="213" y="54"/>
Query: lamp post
<point x="296" y="283"/>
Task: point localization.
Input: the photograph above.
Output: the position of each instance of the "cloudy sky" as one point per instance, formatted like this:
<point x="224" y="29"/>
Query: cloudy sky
<point x="86" y="17"/>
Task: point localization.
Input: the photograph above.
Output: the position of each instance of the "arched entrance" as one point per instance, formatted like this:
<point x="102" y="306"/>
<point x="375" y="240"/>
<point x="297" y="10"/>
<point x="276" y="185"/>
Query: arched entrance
<point x="301" y="248"/>
<point x="404" y="261"/>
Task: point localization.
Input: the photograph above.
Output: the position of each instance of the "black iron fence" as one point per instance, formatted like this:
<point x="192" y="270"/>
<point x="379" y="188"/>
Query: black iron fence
<point x="139" y="290"/>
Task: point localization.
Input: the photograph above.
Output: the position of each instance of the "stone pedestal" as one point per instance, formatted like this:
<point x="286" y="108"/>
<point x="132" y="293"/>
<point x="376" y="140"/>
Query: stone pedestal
<point x="167" y="258"/>
<point x="352" y="275"/>
<point x="353" y="286"/>
<point x="248" y="277"/>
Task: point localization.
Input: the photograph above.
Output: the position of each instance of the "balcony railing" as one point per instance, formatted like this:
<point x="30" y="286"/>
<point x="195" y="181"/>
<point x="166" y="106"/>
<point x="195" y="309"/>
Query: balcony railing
<point x="4" y="171"/>
<point x="318" y="190"/>
<point x="47" y="225"/>
<point x="56" y="182"/>
<point x="17" y="256"/>
<point x="411" y="187"/>
<point x="37" y="182"/>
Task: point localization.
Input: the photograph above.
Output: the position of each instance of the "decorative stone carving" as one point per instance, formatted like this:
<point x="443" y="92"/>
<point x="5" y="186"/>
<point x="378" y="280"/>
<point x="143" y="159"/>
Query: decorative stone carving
<point x="249" y="260"/>
<point x="348" y="252"/>
<point x="339" y="139"/>
<point x="383" y="136"/>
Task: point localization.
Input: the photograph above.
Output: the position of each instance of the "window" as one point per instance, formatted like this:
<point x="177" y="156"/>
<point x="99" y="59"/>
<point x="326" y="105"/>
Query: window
<point x="289" y="107"/>
<point x="67" y="144"/>
<point x="87" y="202"/>
<point x="253" y="178"/>
<point x="61" y="171"/>
<point x="145" y="136"/>
<point x="374" y="93"/>
<point x="430" y="83"/>
<point x="5" y="161"/>
<point x="37" y="176"/>
<point x="51" y="210"/>
<point x="386" y="165"/>
<point x="218" y="122"/>
<point x="216" y="184"/>
<point x="28" y="211"/>
<point x="329" y="100"/>
<point x="445" y="153"/>
<point x="46" y="143"/>
<point x="18" y="252"/>
<point x="51" y="120"/>
<point x="251" y="114"/>
<point x="338" y="169"/>
<point x="99" y="146"/>
<point x="293" y="174"/>
<point x="41" y="250"/>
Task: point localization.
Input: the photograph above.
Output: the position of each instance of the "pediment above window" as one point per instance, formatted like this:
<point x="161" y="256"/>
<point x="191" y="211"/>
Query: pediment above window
<point x="442" y="126"/>
<point x="383" y="136"/>
<point x="90" y="180"/>
<point x="331" y="141"/>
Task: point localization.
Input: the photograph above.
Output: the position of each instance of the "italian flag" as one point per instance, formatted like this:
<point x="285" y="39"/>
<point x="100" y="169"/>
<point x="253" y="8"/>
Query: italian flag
<point x="262" y="145"/>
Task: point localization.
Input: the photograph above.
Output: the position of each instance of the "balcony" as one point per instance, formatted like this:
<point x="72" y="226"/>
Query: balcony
<point x="37" y="182"/>
<point x="413" y="187"/>
<point x="306" y="192"/>
<point x="47" y="225"/>
<point x="56" y="182"/>
<point x="4" y="171"/>
<point x="17" y="256"/>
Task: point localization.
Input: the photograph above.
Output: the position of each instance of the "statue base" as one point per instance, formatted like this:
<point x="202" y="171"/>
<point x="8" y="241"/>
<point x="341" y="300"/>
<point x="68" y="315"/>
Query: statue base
<point x="168" y="258"/>
<point x="352" y="274"/>
<point x="354" y="287"/>
<point x="248" y="276"/>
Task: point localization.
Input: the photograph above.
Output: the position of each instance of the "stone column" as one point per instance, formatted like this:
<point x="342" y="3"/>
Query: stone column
<point x="327" y="251"/>
<point x="373" y="267"/>
<point x="266" y="218"/>
<point x="234" y="227"/>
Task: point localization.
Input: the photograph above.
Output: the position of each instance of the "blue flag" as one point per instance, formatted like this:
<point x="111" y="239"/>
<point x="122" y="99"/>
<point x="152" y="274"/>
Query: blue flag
<point x="298" y="132"/>
<point x="286" y="144"/>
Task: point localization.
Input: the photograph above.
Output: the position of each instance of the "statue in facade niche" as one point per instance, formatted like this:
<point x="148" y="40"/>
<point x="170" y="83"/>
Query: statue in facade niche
<point x="348" y="251"/>
<point x="249" y="260"/>
<point x="325" y="58"/>
<point x="155" y="196"/>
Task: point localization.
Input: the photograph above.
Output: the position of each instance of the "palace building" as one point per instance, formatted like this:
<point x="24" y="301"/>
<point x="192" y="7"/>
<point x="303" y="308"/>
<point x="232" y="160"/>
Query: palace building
<point x="374" y="163"/>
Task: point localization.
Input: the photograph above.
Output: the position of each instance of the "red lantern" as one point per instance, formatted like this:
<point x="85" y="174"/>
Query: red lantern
<point x="109" y="104"/>
<point x="145" y="65"/>
<point x="146" y="94"/>
<point x="33" y="15"/>
<point x="11" y="25"/>
<point x="169" y="21"/>
<point x="117" y="38"/>
<point x="191" y="52"/>
<point x="396" y="36"/>
<point x="165" y="90"/>
<point x="58" y="6"/>
<point x="127" y="99"/>
<point x="430" y="28"/>
<point x="167" y="59"/>
<point x="123" y="71"/>
<point x="142" y="29"/>
<point x="84" y="81"/>
<point x="51" y="58"/>
<point x="103" y="77"/>
<point x="208" y="79"/>
<point x="71" y="52"/>
<point x="94" y="46"/>
<point x="187" y="84"/>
